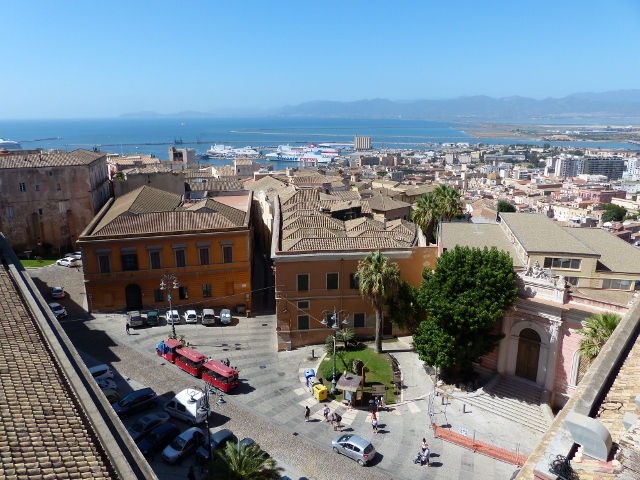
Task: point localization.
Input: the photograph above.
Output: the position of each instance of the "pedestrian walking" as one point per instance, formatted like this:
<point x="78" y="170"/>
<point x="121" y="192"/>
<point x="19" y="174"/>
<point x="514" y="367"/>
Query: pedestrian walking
<point x="326" y="412"/>
<point x="426" y="453"/>
<point x="192" y="474"/>
<point x="377" y="403"/>
<point x="307" y="412"/>
<point x="127" y="327"/>
<point x="337" y="425"/>
<point x="333" y="421"/>
<point x="374" y="423"/>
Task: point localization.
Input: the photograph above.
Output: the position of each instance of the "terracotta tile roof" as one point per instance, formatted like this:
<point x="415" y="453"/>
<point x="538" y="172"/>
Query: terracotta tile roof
<point x="213" y="183"/>
<point x="341" y="194"/>
<point x="224" y="171"/>
<point x="153" y="168"/>
<point x="381" y="203"/>
<point x="149" y="210"/>
<point x="43" y="431"/>
<point x="53" y="158"/>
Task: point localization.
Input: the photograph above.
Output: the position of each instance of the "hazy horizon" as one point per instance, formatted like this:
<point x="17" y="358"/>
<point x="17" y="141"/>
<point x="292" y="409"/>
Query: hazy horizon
<point x="97" y="60"/>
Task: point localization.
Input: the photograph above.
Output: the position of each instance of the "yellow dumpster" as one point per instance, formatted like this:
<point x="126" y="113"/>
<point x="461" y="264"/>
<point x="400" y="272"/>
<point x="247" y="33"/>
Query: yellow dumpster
<point x="320" y="392"/>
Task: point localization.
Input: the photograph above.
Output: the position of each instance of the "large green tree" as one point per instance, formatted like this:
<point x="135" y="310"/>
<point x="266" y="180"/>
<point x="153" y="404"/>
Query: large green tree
<point x="464" y="297"/>
<point x="379" y="279"/>
<point x="404" y="309"/>
<point x="613" y="213"/>
<point x="239" y="462"/>
<point x="597" y="330"/>
<point x="505" y="206"/>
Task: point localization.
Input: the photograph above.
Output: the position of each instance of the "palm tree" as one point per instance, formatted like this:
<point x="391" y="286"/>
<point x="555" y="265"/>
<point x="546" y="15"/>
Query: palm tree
<point x="425" y="214"/>
<point x="240" y="461"/>
<point x="449" y="203"/>
<point x="379" y="278"/>
<point x="598" y="329"/>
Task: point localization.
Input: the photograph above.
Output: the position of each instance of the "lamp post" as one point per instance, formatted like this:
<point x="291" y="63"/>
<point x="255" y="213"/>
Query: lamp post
<point x="169" y="282"/>
<point x="209" y="391"/>
<point x="335" y="327"/>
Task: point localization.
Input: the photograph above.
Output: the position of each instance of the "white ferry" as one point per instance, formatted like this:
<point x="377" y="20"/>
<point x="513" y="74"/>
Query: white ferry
<point x="9" y="145"/>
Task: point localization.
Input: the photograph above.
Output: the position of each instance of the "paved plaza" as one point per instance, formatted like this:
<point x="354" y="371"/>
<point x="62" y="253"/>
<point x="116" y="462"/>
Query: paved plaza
<point x="269" y="404"/>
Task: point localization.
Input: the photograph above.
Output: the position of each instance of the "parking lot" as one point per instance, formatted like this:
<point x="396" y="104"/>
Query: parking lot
<point x="249" y="344"/>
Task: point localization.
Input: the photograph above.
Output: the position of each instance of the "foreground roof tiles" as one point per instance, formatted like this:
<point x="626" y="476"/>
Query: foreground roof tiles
<point x="43" y="434"/>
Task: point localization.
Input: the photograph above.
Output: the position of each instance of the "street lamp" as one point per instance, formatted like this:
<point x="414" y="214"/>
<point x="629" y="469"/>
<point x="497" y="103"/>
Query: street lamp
<point x="335" y="327"/>
<point x="168" y="282"/>
<point x="209" y="391"/>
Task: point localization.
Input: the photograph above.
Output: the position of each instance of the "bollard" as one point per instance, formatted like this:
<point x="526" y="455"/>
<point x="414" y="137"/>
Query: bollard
<point x="313" y="353"/>
<point x="442" y="400"/>
<point x="464" y="408"/>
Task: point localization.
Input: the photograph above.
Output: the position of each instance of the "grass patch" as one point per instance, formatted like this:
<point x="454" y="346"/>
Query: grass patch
<point x="37" y="263"/>
<point x="378" y="368"/>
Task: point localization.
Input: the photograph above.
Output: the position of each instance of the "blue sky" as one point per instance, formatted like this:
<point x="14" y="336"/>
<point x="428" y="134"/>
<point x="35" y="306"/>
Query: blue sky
<point x="81" y="59"/>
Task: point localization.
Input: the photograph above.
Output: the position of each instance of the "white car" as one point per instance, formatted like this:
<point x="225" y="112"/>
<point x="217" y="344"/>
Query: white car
<point x="225" y="316"/>
<point x="172" y="317"/>
<point x="100" y="372"/>
<point x="67" y="262"/>
<point x="58" y="310"/>
<point x="107" y="383"/>
<point x="57" y="292"/>
<point x="190" y="316"/>
<point x="183" y="445"/>
<point x="74" y="255"/>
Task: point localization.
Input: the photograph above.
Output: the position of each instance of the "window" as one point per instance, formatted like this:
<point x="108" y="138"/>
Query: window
<point x="303" y="282"/>
<point x="181" y="258"/>
<point x="206" y="290"/>
<point x="104" y="264"/>
<point x="573" y="263"/>
<point x="572" y="280"/>
<point x="62" y="207"/>
<point x="23" y="187"/>
<point x="332" y="281"/>
<point x="154" y="258"/>
<point x="11" y="213"/>
<point x="183" y="293"/>
<point x="37" y="188"/>
<point x="358" y="320"/>
<point x="227" y="254"/>
<point x="158" y="295"/>
<point x="329" y="318"/>
<point x="303" y="305"/>
<point x="40" y="211"/>
<point x="58" y="186"/>
<point x="616" y="284"/>
<point x="354" y="282"/>
<point x="303" y="322"/>
<point x="129" y="262"/>
<point x="204" y="256"/>
<point x="583" y="365"/>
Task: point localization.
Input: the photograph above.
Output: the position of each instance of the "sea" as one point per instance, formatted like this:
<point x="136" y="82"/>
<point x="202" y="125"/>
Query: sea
<point x="156" y="135"/>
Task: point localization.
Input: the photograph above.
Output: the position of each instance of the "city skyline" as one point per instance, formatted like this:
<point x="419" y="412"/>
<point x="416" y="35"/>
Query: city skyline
<point x="78" y="60"/>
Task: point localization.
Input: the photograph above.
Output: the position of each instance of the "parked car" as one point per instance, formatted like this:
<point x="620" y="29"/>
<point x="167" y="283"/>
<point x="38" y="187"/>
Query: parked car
<point x="208" y="316"/>
<point x="190" y="316"/>
<point x="225" y="316"/>
<point x="217" y="440"/>
<point x="137" y="400"/>
<point x="74" y="255"/>
<point x="105" y="383"/>
<point x="67" y="262"/>
<point x="111" y="394"/>
<point x="58" y="310"/>
<point x="101" y="371"/>
<point x="172" y="317"/>
<point x="147" y="423"/>
<point x="57" y="292"/>
<point x="183" y="445"/>
<point x="134" y="319"/>
<point x="354" y="447"/>
<point x="157" y="439"/>
<point x="152" y="318"/>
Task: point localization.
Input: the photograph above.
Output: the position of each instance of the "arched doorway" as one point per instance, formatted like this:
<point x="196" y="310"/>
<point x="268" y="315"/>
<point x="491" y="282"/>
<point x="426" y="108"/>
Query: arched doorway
<point x="133" y="294"/>
<point x="528" y="354"/>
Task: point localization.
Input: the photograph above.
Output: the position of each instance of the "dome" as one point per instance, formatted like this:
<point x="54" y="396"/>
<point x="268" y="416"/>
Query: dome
<point x="493" y="176"/>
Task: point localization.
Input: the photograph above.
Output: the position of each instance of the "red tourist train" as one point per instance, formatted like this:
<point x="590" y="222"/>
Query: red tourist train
<point x="219" y="375"/>
<point x="195" y="363"/>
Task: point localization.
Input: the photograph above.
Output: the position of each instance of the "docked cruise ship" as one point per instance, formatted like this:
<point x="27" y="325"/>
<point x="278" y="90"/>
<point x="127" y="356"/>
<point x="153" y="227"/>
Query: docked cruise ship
<point x="310" y="154"/>
<point x="9" y="145"/>
<point x="227" y="151"/>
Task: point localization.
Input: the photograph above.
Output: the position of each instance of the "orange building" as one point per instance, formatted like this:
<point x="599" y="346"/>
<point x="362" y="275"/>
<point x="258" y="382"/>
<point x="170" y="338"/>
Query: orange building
<point x="317" y="244"/>
<point x="148" y="233"/>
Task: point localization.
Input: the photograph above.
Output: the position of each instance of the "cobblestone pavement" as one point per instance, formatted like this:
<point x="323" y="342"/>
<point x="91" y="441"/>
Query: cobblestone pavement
<point x="269" y="403"/>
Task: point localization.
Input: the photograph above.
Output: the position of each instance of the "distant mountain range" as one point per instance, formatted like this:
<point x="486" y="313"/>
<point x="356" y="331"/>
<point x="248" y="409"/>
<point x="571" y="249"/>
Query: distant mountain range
<point x="614" y="104"/>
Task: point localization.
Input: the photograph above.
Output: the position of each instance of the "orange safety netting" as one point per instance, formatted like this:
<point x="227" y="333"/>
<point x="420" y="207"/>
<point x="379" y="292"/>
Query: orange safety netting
<point x="478" y="446"/>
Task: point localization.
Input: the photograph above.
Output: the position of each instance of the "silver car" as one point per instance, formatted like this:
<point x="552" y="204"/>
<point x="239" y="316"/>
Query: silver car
<point x="354" y="447"/>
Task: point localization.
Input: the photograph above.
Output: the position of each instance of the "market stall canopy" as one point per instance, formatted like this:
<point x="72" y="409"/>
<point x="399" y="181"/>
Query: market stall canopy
<point x="378" y="390"/>
<point x="349" y="382"/>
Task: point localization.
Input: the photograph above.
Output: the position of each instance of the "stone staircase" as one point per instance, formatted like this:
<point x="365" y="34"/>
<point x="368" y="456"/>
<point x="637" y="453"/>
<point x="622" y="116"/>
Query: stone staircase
<point x="515" y="401"/>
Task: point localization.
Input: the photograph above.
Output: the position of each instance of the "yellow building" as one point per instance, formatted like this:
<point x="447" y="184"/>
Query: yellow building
<point x="148" y="233"/>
